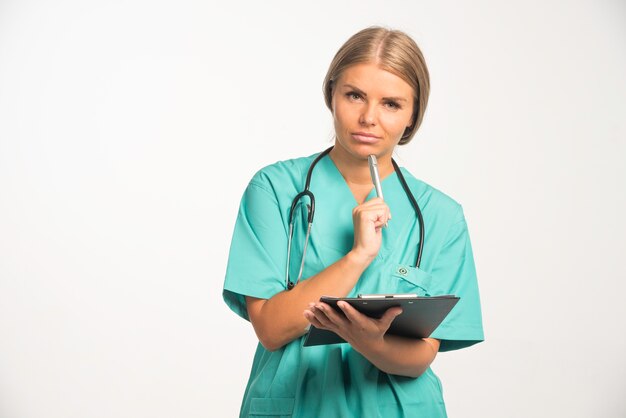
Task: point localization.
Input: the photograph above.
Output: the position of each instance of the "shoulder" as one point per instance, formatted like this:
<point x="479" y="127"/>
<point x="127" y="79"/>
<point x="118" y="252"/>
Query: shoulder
<point x="282" y="174"/>
<point x="433" y="200"/>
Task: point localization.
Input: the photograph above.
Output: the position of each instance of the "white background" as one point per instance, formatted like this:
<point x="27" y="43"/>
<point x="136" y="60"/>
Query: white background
<point x="129" y="129"/>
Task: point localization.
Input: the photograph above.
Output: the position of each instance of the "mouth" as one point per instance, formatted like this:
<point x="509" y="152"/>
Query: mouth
<point x="365" y="137"/>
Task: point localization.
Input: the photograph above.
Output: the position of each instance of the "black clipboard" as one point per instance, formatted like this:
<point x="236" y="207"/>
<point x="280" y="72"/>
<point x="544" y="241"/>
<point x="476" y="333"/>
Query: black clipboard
<point x="420" y="316"/>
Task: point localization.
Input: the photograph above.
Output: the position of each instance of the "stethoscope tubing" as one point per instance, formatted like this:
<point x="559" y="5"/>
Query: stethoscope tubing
<point x="418" y="212"/>
<point x="311" y="213"/>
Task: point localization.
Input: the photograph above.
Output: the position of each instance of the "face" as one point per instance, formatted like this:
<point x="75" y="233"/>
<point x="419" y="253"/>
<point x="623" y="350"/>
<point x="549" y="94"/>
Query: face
<point x="371" y="110"/>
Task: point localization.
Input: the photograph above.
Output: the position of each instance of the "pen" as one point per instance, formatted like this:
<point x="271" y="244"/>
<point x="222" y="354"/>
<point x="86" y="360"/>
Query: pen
<point x="371" y="159"/>
<point x="375" y="177"/>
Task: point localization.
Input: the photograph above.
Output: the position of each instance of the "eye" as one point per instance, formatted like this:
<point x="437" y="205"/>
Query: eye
<point x="392" y="105"/>
<point x="353" y="95"/>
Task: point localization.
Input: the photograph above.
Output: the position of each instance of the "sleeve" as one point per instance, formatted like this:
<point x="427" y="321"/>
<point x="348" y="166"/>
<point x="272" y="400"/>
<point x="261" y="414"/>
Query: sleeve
<point x="454" y="272"/>
<point x="258" y="250"/>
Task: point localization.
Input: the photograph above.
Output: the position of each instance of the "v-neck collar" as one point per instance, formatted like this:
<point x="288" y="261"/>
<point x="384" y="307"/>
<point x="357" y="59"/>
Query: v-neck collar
<point x="372" y="192"/>
<point x="334" y="201"/>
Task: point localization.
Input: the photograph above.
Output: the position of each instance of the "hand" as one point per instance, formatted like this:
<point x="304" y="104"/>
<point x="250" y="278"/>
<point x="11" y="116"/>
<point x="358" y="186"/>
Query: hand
<point x="368" y="219"/>
<point x="357" y="329"/>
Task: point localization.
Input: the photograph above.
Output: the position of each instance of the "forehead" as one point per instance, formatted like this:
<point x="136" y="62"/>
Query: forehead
<point x="370" y="77"/>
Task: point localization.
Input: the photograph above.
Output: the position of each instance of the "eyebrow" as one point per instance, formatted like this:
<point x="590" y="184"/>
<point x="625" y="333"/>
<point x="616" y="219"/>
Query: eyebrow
<point x="358" y="90"/>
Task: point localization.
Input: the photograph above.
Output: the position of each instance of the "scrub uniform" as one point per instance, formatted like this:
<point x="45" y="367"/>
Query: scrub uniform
<point x="335" y="380"/>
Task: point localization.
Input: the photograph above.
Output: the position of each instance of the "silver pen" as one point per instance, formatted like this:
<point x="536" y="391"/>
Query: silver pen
<point x="375" y="176"/>
<point x="371" y="159"/>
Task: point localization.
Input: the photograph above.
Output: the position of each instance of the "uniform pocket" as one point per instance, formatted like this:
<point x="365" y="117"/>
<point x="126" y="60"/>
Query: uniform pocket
<point x="412" y="280"/>
<point x="271" y="407"/>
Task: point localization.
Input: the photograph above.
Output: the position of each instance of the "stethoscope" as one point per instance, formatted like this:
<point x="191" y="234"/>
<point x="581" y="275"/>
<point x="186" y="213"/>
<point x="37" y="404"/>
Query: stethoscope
<point x="311" y="213"/>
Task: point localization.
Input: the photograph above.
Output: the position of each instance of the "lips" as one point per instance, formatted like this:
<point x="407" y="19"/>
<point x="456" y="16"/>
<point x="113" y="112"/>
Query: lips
<point x="365" y="137"/>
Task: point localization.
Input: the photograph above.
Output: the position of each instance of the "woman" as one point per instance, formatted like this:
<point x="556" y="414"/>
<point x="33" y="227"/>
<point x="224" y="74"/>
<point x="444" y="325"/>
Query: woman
<point x="376" y="89"/>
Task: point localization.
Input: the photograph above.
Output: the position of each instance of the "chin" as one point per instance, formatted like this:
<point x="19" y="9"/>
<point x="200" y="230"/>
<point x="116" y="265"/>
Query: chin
<point x="359" y="150"/>
<point x="364" y="150"/>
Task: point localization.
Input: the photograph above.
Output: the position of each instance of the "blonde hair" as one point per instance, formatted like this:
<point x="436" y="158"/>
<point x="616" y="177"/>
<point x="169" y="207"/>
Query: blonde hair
<point x="393" y="51"/>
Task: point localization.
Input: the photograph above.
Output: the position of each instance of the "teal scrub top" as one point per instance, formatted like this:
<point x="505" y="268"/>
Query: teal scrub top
<point x="335" y="380"/>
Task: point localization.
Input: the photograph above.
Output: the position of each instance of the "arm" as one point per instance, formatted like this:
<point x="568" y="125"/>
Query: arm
<point x="402" y="356"/>
<point x="279" y="320"/>
<point x="391" y="354"/>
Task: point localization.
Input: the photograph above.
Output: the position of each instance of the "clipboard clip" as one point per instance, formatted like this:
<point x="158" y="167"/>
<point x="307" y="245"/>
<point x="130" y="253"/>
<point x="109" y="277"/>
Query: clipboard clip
<point x="387" y="296"/>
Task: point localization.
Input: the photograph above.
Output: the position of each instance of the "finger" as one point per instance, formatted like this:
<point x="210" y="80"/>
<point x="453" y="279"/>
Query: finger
<point x="313" y="320"/>
<point x="315" y="317"/>
<point x="373" y="201"/>
<point x="368" y="211"/>
<point x="332" y="315"/>
<point x="369" y="207"/>
<point x="351" y="313"/>
<point x="321" y="316"/>
<point x="308" y="315"/>
<point x="371" y="216"/>
<point x="381" y="222"/>
<point x="378" y="223"/>
<point x="382" y="212"/>
<point x="375" y="204"/>
<point x="389" y="315"/>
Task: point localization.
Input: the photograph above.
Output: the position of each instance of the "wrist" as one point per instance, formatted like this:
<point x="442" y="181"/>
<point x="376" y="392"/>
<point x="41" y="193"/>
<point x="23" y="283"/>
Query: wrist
<point x="358" y="259"/>
<point x="372" y="349"/>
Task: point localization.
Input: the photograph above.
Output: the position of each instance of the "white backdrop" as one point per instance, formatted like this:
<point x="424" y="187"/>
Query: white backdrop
<point x="129" y="129"/>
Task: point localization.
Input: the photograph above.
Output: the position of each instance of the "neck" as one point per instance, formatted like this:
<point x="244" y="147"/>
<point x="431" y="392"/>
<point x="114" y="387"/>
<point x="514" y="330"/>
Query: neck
<point x="355" y="169"/>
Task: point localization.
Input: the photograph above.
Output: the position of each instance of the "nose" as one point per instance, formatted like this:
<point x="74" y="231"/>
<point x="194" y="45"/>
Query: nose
<point x="368" y="115"/>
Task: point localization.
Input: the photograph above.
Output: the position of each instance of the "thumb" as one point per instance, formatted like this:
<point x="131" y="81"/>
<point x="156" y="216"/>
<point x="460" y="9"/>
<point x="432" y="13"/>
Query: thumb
<point x="390" y="315"/>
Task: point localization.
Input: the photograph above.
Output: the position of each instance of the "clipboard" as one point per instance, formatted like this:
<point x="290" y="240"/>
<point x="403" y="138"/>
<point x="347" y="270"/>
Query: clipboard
<point x="420" y="316"/>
